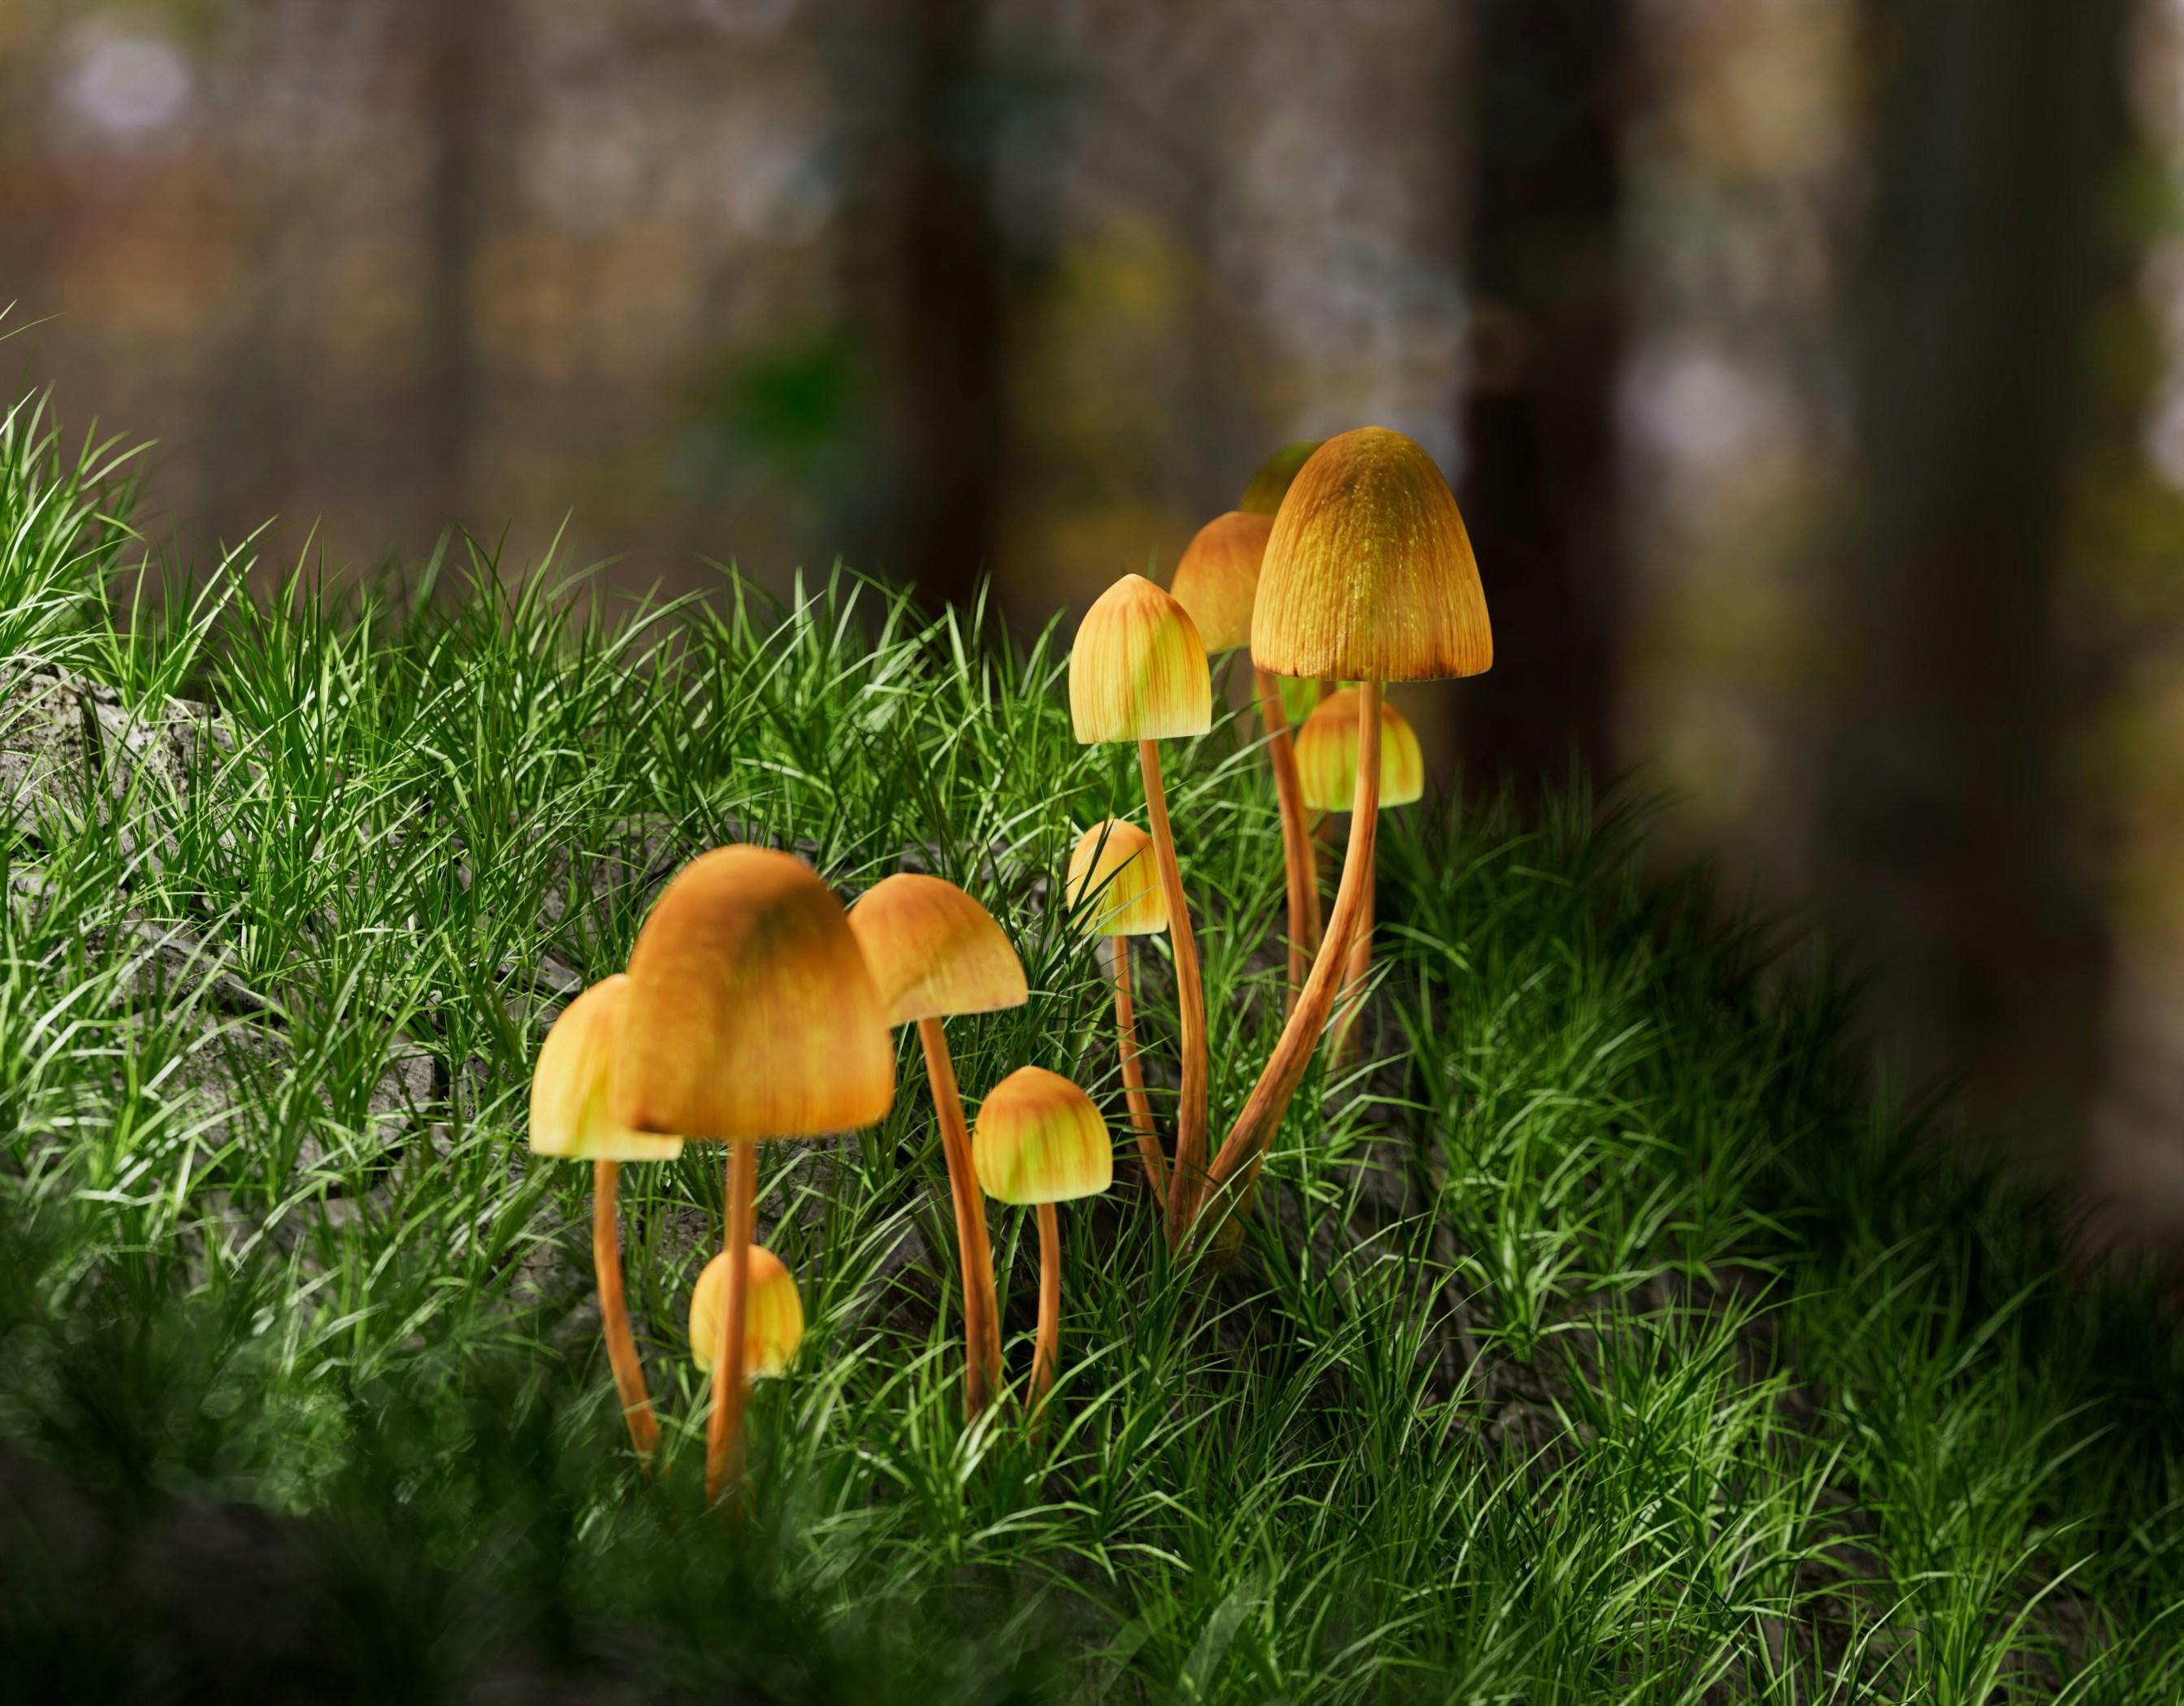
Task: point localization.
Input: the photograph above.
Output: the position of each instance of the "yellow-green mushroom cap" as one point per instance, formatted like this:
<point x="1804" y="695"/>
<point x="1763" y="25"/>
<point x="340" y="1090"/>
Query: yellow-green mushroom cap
<point x="934" y="952"/>
<point x="569" y="1114"/>
<point x="1271" y="484"/>
<point x="750" y="1012"/>
<point x="1041" y="1139"/>
<point x="1114" y="880"/>
<point x="1327" y="755"/>
<point x="773" y="1314"/>
<point x="1137" y="670"/>
<point x="1218" y="581"/>
<point x="1368" y="574"/>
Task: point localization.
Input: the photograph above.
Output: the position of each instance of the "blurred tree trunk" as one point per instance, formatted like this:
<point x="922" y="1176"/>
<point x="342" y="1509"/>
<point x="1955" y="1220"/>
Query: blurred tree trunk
<point x="462" y="43"/>
<point x="1539" y="481"/>
<point x="1945" y="835"/>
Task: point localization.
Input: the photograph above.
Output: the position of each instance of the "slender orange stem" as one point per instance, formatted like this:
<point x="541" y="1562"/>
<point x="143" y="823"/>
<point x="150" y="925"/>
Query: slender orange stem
<point x="614" y="1314"/>
<point x="1345" y="1042"/>
<point x="1245" y="1148"/>
<point x="724" y="1431"/>
<point x="1048" y="1352"/>
<point x="1134" y="1077"/>
<point x="1298" y="864"/>
<point x="1191" y="1002"/>
<point x="982" y="1318"/>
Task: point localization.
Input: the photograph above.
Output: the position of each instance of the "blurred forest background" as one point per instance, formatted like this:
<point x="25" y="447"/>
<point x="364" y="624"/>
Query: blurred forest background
<point x="1812" y="373"/>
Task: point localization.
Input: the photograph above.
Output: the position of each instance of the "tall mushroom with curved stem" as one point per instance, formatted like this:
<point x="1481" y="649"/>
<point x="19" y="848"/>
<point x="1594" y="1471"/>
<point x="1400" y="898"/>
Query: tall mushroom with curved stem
<point x="1137" y="672"/>
<point x="936" y="954"/>
<point x="570" y="1119"/>
<point x="749" y="1015"/>
<point x="1369" y="577"/>
<point x="1326" y="761"/>
<point x="1041" y="1141"/>
<point x="1113" y="880"/>
<point x="1217" y="582"/>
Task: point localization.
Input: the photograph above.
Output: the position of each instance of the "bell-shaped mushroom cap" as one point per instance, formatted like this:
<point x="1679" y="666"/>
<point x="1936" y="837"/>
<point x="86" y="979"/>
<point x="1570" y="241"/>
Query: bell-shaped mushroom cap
<point x="934" y="952"/>
<point x="1138" y="669"/>
<point x="750" y="1012"/>
<point x="569" y="1113"/>
<point x="773" y="1314"/>
<point x="1218" y="581"/>
<point x="1271" y="484"/>
<point x="1113" y="878"/>
<point x="1327" y="755"/>
<point x="1369" y="575"/>
<point x="1041" y="1139"/>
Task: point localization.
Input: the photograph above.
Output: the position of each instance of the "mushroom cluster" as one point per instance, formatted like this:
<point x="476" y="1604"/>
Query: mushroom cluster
<point x="755" y="1009"/>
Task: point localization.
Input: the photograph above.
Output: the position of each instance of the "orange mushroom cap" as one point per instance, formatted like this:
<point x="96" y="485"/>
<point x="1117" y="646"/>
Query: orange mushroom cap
<point x="1138" y="669"/>
<point x="1218" y="581"/>
<point x="934" y="952"/>
<point x="569" y="1112"/>
<point x="1039" y="1139"/>
<point x="773" y="1314"/>
<point x="1327" y="755"/>
<point x="1369" y="575"/>
<point x="750" y="1012"/>
<point x="1112" y="875"/>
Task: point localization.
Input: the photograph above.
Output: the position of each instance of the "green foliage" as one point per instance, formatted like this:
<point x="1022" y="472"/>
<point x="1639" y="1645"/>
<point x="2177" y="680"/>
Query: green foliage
<point x="1602" y="1343"/>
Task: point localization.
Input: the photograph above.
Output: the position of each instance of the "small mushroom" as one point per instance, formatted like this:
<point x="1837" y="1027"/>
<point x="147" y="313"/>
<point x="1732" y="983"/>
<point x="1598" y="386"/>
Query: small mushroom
<point x="570" y="1120"/>
<point x="1369" y="577"/>
<point x="1217" y="582"/>
<point x="935" y="954"/>
<point x="1041" y="1141"/>
<point x="773" y="1314"/>
<point x="1112" y="879"/>
<point x="1138" y="673"/>
<point x="1326" y="759"/>
<point x="749" y="1015"/>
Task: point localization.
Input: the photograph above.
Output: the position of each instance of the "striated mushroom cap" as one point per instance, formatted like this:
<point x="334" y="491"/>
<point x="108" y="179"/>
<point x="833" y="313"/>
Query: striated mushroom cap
<point x="1113" y="878"/>
<point x="750" y="1012"/>
<point x="1041" y="1139"/>
<point x="1138" y="669"/>
<point x="773" y="1314"/>
<point x="1218" y="581"/>
<point x="569" y="1112"/>
<point x="1327" y="755"/>
<point x="933" y="951"/>
<point x="1368" y="575"/>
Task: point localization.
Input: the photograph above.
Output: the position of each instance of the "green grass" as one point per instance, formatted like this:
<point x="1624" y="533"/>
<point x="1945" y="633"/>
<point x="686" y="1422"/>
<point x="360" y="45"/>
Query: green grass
<point x="1601" y="1341"/>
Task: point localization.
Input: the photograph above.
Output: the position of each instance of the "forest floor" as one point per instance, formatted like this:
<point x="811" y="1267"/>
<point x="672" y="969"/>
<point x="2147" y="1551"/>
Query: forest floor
<point x="1602" y="1338"/>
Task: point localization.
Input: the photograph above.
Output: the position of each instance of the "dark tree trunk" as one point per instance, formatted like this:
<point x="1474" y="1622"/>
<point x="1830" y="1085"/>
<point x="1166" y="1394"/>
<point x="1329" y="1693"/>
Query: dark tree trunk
<point x="945" y="404"/>
<point x="1539" y="483"/>
<point x="461" y="42"/>
<point x="1945" y="832"/>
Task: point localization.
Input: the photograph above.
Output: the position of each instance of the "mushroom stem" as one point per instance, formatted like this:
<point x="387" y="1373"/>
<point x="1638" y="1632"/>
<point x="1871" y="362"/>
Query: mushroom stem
<point x="614" y="1314"/>
<point x="1245" y="1148"/>
<point x="1345" y="1042"/>
<point x="1048" y="1351"/>
<point x="1190" y="1001"/>
<point x="981" y="1325"/>
<point x="724" y="1431"/>
<point x="1134" y="1077"/>
<point x="1298" y="864"/>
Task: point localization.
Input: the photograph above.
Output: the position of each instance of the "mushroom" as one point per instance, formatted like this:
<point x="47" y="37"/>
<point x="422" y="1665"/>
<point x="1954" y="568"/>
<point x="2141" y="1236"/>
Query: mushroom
<point x="749" y="1014"/>
<point x="1327" y="757"/>
<point x="1274" y="477"/>
<point x="1041" y="1141"/>
<point x="1217" y="582"/>
<point x="1111" y="874"/>
<point x="935" y="953"/>
<point x="1369" y="577"/>
<point x="773" y="1314"/>
<point x="568" y="1119"/>
<point x="1138" y="673"/>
